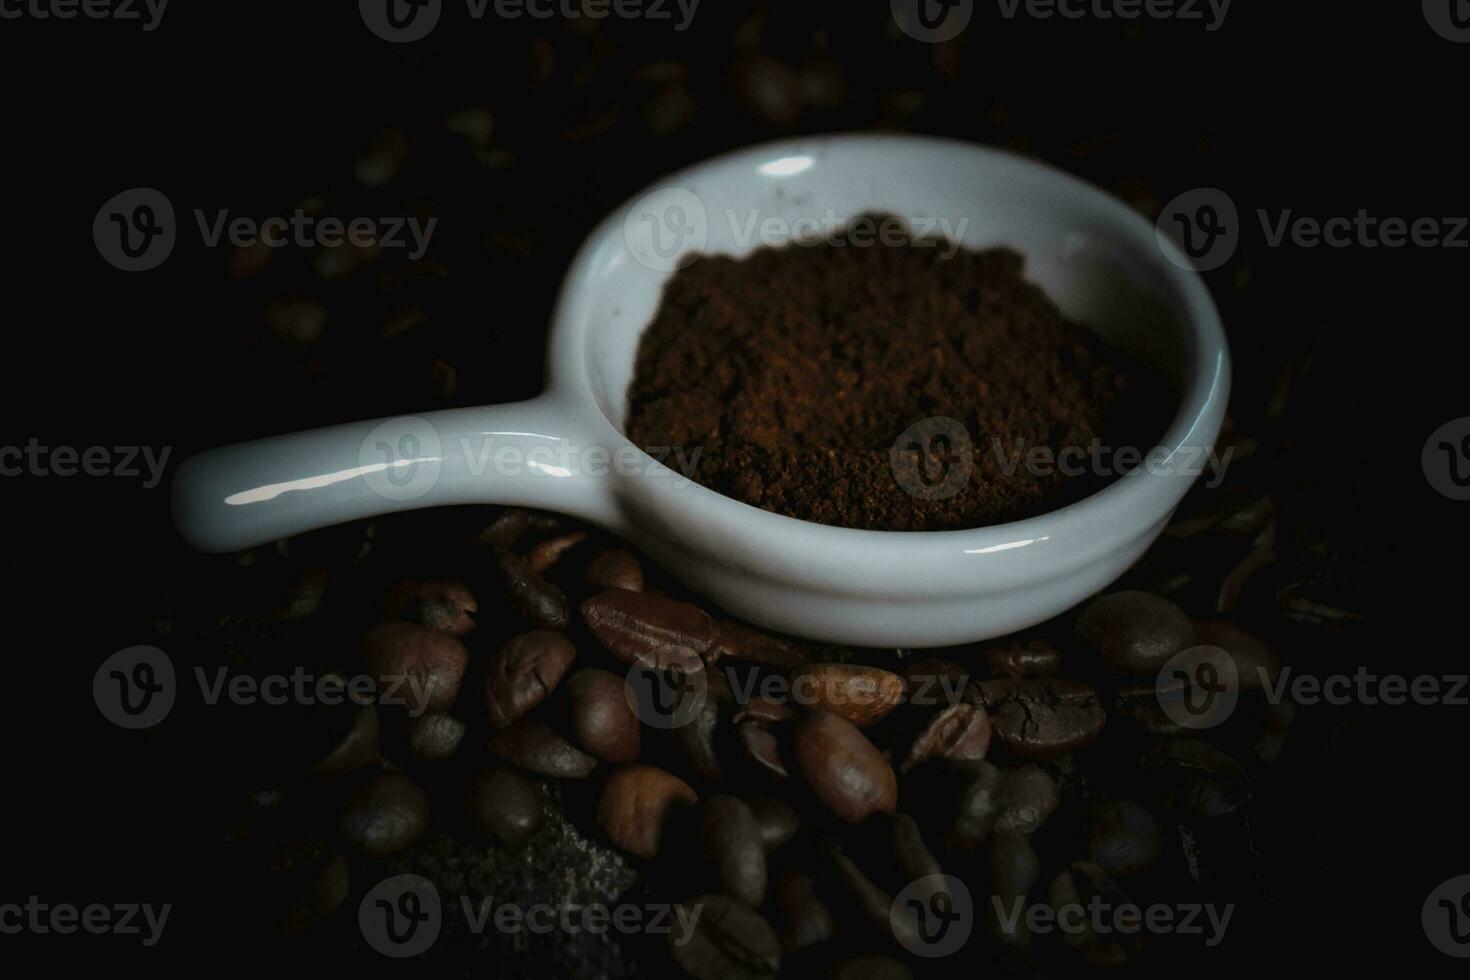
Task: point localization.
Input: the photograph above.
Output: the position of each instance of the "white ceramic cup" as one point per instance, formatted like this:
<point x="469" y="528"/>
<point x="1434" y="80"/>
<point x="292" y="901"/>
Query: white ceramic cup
<point x="564" y="451"/>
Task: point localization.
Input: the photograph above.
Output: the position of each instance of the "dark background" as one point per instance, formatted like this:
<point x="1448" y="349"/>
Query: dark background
<point x="1321" y="109"/>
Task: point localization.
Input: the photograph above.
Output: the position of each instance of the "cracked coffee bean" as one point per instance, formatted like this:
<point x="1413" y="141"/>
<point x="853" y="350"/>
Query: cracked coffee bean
<point x="731" y="836"/>
<point x="602" y="721"/>
<point x="635" y="804"/>
<point x="843" y="769"/>
<point x="641" y="627"/>
<point x="385" y="816"/>
<point x="505" y="806"/>
<point x="728" y="941"/>
<point x="418" y="667"/>
<point x="1123" y="838"/>
<point x="536" y="600"/>
<point x="862" y="695"/>
<point x="1042" y="718"/>
<point x="615" y="568"/>
<point x="434" y="737"/>
<point x="523" y="672"/>
<point x="535" y="747"/>
<point x="1135" y="632"/>
<point x="959" y="732"/>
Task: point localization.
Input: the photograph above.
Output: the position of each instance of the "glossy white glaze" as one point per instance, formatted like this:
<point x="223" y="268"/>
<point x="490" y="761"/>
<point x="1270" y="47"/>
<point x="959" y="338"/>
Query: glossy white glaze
<point x="563" y="451"/>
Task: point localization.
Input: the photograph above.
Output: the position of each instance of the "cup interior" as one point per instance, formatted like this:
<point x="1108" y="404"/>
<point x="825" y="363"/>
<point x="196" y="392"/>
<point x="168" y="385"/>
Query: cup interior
<point x="1085" y="249"/>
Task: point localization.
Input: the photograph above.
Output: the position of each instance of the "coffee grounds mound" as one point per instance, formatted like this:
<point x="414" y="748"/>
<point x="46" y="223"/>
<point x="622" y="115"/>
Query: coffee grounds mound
<point x="792" y="372"/>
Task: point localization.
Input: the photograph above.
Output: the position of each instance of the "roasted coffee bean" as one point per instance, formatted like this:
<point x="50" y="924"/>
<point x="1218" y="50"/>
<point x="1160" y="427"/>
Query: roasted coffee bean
<point x="505" y="530"/>
<point x="385" y="816"/>
<point x="935" y="681"/>
<point x="768" y="89"/>
<point x="326" y="891"/>
<point x="1197" y="777"/>
<point x="862" y="695"/>
<point x="695" y="742"/>
<point x="1036" y="658"/>
<point x="1123" y="838"/>
<point x="731" y="836"/>
<point x="615" y="568"/>
<point x="536" y="600"/>
<point x="534" y="746"/>
<point x="603" y="722"/>
<point x="727" y="941"/>
<point x="505" y="806"/>
<point x="873" y="966"/>
<point x="777" y="818"/>
<point x="1072" y="892"/>
<point x="448" y="607"/>
<point x="1014" y="868"/>
<point x="357" y="748"/>
<point x="1270" y="742"/>
<point x="1042" y="718"/>
<point x="762" y="748"/>
<point x="415" y="666"/>
<point x="636" y="802"/>
<point x="1256" y="664"/>
<point x="910" y="853"/>
<point x="545" y="554"/>
<point x="1139" y="704"/>
<point x="765" y="711"/>
<point x="523" y="672"/>
<point x="843" y="769"/>
<point x="1027" y="797"/>
<point x="960" y="731"/>
<point x="434" y="737"/>
<point x="977" y="807"/>
<point x="644" y="627"/>
<point x="744" y="644"/>
<point x="382" y="159"/>
<point x="875" y="904"/>
<point x="806" y="918"/>
<point x="1135" y="632"/>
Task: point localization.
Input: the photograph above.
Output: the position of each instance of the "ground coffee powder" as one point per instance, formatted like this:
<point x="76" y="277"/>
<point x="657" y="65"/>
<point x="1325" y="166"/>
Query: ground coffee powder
<point x="794" y="371"/>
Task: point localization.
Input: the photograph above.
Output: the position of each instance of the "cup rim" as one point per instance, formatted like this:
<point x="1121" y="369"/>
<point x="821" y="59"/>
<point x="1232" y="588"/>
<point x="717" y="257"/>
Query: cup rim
<point x="1136" y="500"/>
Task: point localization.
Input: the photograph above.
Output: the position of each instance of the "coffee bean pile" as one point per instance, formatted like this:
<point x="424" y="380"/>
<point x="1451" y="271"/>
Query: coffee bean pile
<point x="789" y="791"/>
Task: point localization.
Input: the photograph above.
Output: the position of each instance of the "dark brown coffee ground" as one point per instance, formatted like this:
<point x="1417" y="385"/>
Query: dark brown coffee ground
<point x="794" y="371"/>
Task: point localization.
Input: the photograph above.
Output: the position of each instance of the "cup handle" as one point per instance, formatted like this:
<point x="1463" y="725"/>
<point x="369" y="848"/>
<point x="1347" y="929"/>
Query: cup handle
<point x="524" y="453"/>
